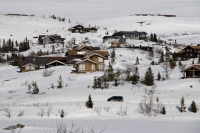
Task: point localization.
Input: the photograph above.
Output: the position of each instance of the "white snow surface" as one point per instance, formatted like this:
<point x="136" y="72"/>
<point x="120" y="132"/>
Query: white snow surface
<point x="113" y="15"/>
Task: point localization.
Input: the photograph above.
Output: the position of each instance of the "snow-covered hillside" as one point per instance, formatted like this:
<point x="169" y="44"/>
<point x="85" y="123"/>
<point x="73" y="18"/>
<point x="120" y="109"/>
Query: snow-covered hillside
<point x="108" y="15"/>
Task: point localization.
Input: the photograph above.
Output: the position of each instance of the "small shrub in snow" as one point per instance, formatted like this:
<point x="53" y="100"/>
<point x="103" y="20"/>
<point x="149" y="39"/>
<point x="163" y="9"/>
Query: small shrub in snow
<point x="49" y="110"/>
<point x="47" y="73"/>
<point x="29" y="88"/>
<point x="116" y="82"/>
<point x="63" y="128"/>
<point x="8" y="112"/>
<point x="21" y="113"/>
<point x="62" y="113"/>
<point x="98" y="110"/>
<point x="41" y="112"/>
<point x="107" y="108"/>
<point x="123" y="111"/>
<point x="89" y="103"/>
<point x="52" y="86"/>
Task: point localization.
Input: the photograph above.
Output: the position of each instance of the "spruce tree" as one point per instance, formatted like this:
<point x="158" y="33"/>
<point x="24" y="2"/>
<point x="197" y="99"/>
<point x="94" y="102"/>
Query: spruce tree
<point x="135" y="77"/>
<point x="35" y="89"/>
<point x="113" y="56"/>
<point x="95" y="83"/>
<point x="137" y="61"/>
<point x="89" y="103"/>
<point x="159" y="76"/>
<point x="99" y="82"/>
<point x="182" y="105"/>
<point x="179" y="64"/>
<point x="60" y="82"/>
<point x="172" y="64"/>
<point x="151" y="37"/>
<point x="149" y="77"/>
<point x="155" y="38"/>
<point x="53" y="49"/>
<point x="62" y="114"/>
<point x="116" y="82"/>
<point x="161" y="57"/>
<point x="163" y="111"/>
<point x="193" y="107"/>
<point x="110" y="72"/>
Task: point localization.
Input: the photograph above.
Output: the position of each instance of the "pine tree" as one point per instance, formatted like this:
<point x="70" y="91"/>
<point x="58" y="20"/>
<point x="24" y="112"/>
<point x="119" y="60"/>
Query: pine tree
<point x="116" y="82"/>
<point x="89" y="103"/>
<point x="99" y="82"/>
<point x="35" y="89"/>
<point x="193" y="107"/>
<point x="53" y="49"/>
<point x="159" y="76"/>
<point x="172" y="64"/>
<point x="192" y="61"/>
<point x="149" y="77"/>
<point x="182" y="103"/>
<point x="151" y="53"/>
<point x="110" y="72"/>
<point x="62" y="114"/>
<point x="155" y="38"/>
<point x="161" y="60"/>
<point x="137" y="61"/>
<point x="179" y="64"/>
<point x="163" y="111"/>
<point x="60" y="82"/>
<point x="152" y="63"/>
<point x="113" y="56"/>
<point x="151" y="37"/>
<point x="95" y="83"/>
<point x="4" y="43"/>
<point x="135" y="77"/>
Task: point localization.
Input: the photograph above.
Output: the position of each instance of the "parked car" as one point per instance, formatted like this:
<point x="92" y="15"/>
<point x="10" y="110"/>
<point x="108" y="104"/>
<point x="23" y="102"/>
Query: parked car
<point x="116" y="98"/>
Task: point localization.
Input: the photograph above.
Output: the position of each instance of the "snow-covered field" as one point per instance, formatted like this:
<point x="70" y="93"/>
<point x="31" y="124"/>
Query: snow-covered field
<point x="113" y="15"/>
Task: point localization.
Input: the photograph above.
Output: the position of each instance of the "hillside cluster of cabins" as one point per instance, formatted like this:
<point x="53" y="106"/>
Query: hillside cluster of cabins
<point x="83" y="59"/>
<point x="90" y="59"/>
<point x="191" y="52"/>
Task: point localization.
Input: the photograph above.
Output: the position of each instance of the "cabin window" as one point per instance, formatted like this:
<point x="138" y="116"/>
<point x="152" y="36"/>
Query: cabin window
<point x="190" y="50"/>
<point x="32" y="68"/>
<point x="93" y="66"/>
<point x="28" y="67"/>
<point x="82" y="66"/>
<point x="100" y="59"/>
<point x="101" y="67"/>
<point x="190" y="54"/>
<point x="42" y="66"/>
